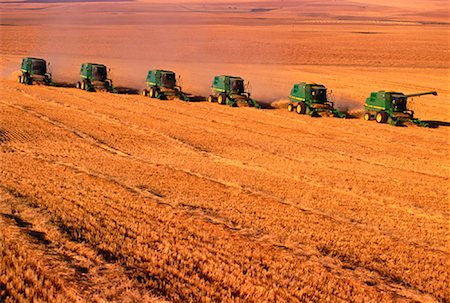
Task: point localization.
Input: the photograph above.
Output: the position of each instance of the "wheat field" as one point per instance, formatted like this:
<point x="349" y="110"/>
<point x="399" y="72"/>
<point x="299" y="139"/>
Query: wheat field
<point x="123" y="198"/>
<point x="129" y="198"/>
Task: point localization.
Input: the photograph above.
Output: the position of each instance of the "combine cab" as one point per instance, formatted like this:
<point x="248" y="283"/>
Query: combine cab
<point x="391" y="107"/>
<point x="231" y="91"/>
<point x="34" y="70"/>
<point x="162" y="84"/>
<point x="94" y="77"/>
<point x="312" y="99"/>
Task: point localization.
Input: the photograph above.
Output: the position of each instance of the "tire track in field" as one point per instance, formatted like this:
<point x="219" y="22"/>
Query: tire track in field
<point x="83" y="272"/>
<point x="391" y="285"/>
<point x="229" y="113"/>
<point x="89" y="138"/>
<point x="244" y="189"/>
<point x="248" y="190"/>
<point x="331" y="151"/>
<point x="93" y="141"/>
<point x="292" y="130"/>
<point x="186" y="144"/>
<point x="312" y="134"/>
<point x="175" y="168"/>
<point x="240" y="164"/>
<point x="260" y="148"/>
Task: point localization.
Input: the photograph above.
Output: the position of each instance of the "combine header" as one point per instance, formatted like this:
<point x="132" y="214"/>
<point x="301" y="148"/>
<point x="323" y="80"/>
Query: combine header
<point x="231" y="91"/>
<point x="312" y="99"/>
<point x="162" y="84"/>
<point x="94" y="77"/>
<point x="34" y="70"/>
<point x="391" y="107"/>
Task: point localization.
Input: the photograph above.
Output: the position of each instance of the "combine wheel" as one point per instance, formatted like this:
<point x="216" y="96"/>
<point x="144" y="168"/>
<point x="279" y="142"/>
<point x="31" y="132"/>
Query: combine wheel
<point x="381" y="117"/>
<point x="47" y="80"/>
<point x="301" y="108"/>
<point x="24" y="79"/>
<point x="210" y="98"/>
<point x="27" y="80"/>
<point x="78" y="85"/>
<point x="145" y="92"/>
<point x="19" y="79"/>
<point x="152" y="92"/>
<point x="291" y="107"/>
<point x="222" y="99"/>
<point x="87" y="86"/>
<point x="367" y="116"/>
<point x="83" y="85"/>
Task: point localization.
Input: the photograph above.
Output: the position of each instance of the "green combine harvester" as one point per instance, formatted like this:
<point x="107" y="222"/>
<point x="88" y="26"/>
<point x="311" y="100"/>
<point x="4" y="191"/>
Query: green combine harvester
<point x="94" y="77"/>
<point x="162" y="84"/>
<point x="230" y="90"/>
<point x="311" y="99"/>
<point x="391" y="107"/>
<point x="34" y="70"/>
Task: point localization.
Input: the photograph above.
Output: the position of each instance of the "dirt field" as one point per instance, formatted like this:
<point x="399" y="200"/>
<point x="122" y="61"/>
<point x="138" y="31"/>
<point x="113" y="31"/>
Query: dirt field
<point x="121" y="198"/>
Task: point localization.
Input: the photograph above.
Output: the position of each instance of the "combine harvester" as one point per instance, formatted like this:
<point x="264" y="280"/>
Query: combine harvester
<point x="311" y="99"/>
<point x="391" y="107"/>
<point x="94" y="77"/>
<point x="162" y="84"/>
<point x="230" y="90"/>
<point x="34" y="70"/>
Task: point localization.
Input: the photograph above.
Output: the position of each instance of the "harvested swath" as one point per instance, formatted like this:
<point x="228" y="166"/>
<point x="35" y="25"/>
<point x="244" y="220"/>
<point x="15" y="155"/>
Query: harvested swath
<point x="228" y="205"/>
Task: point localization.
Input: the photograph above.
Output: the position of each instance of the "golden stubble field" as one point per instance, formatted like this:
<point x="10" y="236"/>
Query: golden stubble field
<point x="120" y="198"/>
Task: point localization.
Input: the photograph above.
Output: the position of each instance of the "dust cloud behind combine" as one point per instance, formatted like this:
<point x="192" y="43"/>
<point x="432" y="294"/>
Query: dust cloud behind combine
<point x="113" y="197"/>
